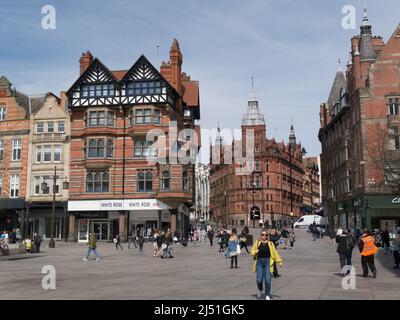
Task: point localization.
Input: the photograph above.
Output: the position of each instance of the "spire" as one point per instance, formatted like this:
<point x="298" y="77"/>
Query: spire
<point x="292" y="137"/>
<point x="253" y="115"/>
<point x="338" y="84"/>
<point x="339" y="69"/>
<point x="367" y="50"/>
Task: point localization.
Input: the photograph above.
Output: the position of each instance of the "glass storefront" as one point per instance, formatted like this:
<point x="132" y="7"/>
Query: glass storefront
<point x="101" y="228"/>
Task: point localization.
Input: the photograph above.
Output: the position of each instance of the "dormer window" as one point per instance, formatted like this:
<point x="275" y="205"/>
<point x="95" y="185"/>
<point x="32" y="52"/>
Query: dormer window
<point x="98" y="90"/>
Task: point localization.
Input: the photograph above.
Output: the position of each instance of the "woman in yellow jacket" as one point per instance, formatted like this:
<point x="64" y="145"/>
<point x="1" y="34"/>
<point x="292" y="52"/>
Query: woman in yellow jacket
<point x="264" y="254"/>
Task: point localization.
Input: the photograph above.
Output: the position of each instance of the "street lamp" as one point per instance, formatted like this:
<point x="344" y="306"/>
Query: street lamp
<point x="44" y="187"/>
<point x="253" y="209"/>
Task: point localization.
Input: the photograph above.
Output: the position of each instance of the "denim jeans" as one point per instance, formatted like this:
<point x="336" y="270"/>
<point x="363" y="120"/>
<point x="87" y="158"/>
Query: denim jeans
<point x="95" y="252"/>
<point x="263" y="272"/>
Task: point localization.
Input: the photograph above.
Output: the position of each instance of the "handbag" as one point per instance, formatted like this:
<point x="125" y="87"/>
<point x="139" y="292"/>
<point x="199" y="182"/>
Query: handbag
<point x="243" y="239"/>
<point x="238" y="248"/>
<point x="115" y="240"/>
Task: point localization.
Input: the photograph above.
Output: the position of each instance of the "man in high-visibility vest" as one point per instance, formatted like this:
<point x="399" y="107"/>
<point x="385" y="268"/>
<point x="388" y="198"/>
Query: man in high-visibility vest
<point x="368" y="249"/>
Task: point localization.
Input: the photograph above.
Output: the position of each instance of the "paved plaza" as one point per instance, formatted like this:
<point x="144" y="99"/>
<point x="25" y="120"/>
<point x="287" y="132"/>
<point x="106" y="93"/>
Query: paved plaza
<point x="201" y="272"/>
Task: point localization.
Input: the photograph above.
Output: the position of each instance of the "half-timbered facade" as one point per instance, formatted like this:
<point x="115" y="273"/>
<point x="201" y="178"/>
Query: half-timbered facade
<point x="122" y="178"/>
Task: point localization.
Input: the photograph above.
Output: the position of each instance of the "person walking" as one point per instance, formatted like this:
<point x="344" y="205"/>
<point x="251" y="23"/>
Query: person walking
<point x="243" y="240"/>
<point x="37" y="240"/>
<point x="385" y="240"/>
<point x="368" y="249"/>
<point x="274" y="237"/>
<point x="232" y="247"/>
<point x="221" y="239"/>
<point x="345" y="247"/>
<point x="155" y="243"/>
<point x="140" y="241"/>
<point x="131" y="238"/>
<point x="314" y="230"/>
<point x="118" y="242"/>
<point x="292" y="238"/>
<point x="285" y="237"/>
<point x="92" y="246"/>
<point x="396" y="250"/>
<point x="265" y="255"/>
<point x="210" y="235"/>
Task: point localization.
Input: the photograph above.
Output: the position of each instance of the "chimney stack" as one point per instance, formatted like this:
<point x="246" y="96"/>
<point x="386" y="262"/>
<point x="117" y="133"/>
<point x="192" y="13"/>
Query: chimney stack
<point x="85" y="61"/>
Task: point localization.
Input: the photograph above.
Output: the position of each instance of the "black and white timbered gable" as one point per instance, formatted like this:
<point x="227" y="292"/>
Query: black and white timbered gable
<point x="142" y="84"/>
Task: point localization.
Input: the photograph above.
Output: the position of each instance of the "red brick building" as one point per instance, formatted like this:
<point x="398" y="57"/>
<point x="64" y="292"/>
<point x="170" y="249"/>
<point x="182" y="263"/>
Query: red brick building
<point x="360" y="135"/>
<point x="274" y="188"/>
<point x="114" y="186"/>
<point x="14" y="143"/>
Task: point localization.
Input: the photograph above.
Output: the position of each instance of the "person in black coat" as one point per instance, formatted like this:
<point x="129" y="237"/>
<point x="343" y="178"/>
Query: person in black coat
<point x="385" y="240"/>
<point x="274" y="237"/>
<point x="345" y="247"/>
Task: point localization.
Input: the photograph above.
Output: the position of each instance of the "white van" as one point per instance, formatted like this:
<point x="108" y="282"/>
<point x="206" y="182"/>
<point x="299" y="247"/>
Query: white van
<point x="308" y="220"/>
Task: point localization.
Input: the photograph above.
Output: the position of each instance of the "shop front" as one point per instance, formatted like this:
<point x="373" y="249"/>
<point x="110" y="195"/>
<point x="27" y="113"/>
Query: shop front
<point x="378" y="211"/>
<point x="107" y="218"/>
<point x="11" y="213"/>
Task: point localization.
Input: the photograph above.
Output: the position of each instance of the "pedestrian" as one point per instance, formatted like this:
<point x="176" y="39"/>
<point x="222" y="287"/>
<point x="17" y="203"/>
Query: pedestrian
<point x="385" y="240"/>
<point x="37" y="240"/>
<point x="140" y="241"/>
<point x="285" y="237"/>
<point x="345" y="245"/>
<point x="314" y="230"/>
<point x="155" y="241"/>
<point x="221" y="238"/>
<point x="6" y="237"/>
<point x="160" y="242"/>
<point x="396" y="250"/>
<point x="131" y="238"/>
<point x="210" y="234"/>
<point x="13" y="238"/>
<point x="292" y="238"/>
<point x="233" y="248"/>
<point x="92" y="246"/>
<point x="18" y="234"/>
<point x="243" y="241"/>
<point x="117" y="241"/>
<point x="368" y="249"/>
<point x="274" y="237"/>
<point x="265" y="255"/>
<point x="28" y="246"/>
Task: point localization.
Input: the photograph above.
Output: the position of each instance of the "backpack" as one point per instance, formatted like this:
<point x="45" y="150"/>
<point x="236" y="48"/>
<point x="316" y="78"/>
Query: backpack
<point x="350" y="243"/>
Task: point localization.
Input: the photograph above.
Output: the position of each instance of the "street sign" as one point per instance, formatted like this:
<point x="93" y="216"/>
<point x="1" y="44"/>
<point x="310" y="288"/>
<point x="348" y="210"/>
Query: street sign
<point x="255" y="213"/>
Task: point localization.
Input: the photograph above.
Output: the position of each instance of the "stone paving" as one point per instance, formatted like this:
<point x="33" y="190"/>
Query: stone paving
<point x="309" y="272"/>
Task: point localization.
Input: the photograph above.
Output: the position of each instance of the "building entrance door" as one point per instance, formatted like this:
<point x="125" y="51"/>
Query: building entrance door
<point x="101" y="230"/>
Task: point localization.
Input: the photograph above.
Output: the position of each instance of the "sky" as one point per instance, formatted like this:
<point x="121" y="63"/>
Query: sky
<point x="290" y="47"/>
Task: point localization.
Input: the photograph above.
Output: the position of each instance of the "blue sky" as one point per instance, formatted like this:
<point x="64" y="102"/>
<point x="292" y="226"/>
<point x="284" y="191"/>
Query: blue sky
<point x="291" y="48"/>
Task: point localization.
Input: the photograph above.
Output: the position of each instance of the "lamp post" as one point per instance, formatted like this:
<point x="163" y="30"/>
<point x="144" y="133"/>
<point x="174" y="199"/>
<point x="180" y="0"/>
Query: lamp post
<point x="253" y="209"/>
<point x="226" y="212"/>
<point x="44" y="186"/>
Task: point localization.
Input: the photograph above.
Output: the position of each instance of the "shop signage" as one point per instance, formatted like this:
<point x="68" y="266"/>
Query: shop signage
<point x="92" y="215"/>
<point x="396" y="200"/>
<point x="115" y="205"/>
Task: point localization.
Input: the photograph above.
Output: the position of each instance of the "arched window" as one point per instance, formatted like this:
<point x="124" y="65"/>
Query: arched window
<point x="185" y="179"/>
<point x="165" y="180"/>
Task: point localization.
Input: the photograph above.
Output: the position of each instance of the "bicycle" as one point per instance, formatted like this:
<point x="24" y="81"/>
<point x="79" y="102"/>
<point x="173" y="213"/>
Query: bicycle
<point x="4" y="248"/>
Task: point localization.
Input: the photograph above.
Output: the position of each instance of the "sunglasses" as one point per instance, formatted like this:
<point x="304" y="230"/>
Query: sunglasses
<point x="263" y="234"/>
